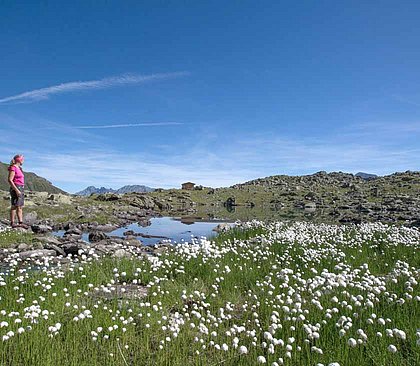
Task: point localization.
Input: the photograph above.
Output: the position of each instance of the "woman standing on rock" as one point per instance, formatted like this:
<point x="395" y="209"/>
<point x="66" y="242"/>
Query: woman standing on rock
<point x="17" y="183"/>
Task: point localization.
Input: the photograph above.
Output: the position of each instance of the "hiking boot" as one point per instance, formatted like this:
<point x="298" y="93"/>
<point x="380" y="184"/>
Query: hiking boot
<point x="22" y="225"/>
<point x="14" y="226"/>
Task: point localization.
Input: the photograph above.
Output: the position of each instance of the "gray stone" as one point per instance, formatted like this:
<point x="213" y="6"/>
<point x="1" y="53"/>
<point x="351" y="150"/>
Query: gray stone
<point x="37" y="253"/>
<point x="74" y="230"/>
<point x="96" y="236"/>
<point x="128" y="291"/>
<point x="58" y="250"/>
<point x="30" y="217"/>
<point x="133" y="242"/>
<point x="48" y="240"/>
<point x="224" y="226"/>
<point x="41" y="229"/>
<point x="106" y="227"/>
<point x="22" y="247"/>
<point x="121" y="253"/>
<point x="74" y="248"/>
<point x="72" y="237"/>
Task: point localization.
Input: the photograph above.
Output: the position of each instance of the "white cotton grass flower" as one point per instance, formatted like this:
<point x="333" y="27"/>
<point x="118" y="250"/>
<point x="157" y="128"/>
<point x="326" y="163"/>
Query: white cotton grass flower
<point x="243" y="350"/>
<point x="352" y="342"/>
<point x="261" y="359"/>
<point x="392" y="348"/>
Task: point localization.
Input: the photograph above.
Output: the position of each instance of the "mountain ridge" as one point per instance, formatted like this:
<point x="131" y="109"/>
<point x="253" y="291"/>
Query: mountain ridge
<point x="125" y="189"/>
<point x="33" y="182"/>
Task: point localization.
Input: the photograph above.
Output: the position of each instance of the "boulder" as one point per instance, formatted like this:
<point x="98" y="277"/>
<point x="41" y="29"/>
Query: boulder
<point x="73" y="248"/>
<point x="133" y="242"/>
<point x="48" y="240"/>
<point x="37" y="253"/>
<point x="106" y="227"/>
<point x="72" y="237"/>
<point x="231" y="201"/>
<point x="310" y="206"/>
<point x="121" y="253"/>
<point x="41" y="229"/>
<point x="22" y="247"/>
<point x="74" y="230"/>
<point x="30" y="217"/>
<point x="96" y="236"/>
<point x="222" y="227"/>
<point x="57" y="249"/>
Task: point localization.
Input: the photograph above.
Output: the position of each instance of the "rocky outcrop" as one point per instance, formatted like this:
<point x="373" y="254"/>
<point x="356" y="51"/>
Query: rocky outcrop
<point x="41" y="229"/>
<point x="97" y="236"/>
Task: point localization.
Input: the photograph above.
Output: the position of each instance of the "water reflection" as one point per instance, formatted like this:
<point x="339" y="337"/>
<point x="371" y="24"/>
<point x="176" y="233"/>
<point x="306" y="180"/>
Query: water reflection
<point x="176" y="229"/>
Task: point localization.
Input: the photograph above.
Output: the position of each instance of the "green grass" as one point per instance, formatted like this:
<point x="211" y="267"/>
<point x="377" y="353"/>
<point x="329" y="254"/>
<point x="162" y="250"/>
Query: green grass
<point x="12" y="237"/>
<point x="255" y="269"/>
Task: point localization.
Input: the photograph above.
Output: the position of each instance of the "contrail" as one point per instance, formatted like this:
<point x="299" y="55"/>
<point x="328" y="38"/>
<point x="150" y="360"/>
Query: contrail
<point x="44" y="93"/>
<point x="129" y="125"/>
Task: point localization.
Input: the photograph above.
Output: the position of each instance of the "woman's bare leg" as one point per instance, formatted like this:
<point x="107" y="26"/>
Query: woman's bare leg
<point x="19" y="211"/>
<point x="12" y="215"/>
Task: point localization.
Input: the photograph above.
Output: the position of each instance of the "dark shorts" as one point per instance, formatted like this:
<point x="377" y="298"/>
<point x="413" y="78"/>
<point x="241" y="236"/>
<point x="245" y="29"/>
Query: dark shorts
<point x="15" y="200"/>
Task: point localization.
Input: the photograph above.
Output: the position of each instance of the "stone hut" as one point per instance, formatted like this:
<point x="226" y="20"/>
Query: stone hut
<point x="188" y="186"/>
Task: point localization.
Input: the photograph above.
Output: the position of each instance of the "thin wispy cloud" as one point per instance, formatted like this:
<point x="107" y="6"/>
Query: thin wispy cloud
<point x="405" y="100"/>
<point x="74" y="86"/>
<point x="146" y="124"/>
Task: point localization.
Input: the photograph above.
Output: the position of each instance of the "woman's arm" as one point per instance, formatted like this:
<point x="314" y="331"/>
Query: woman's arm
<point x="12" y="184"/>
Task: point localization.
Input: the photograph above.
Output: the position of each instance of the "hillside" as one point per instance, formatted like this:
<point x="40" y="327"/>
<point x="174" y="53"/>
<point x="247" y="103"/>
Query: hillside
<point x="333" y="196"/>
<point x="33" y="182"/>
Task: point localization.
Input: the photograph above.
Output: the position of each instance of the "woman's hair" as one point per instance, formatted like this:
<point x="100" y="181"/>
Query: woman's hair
<point x="15" y="159"/>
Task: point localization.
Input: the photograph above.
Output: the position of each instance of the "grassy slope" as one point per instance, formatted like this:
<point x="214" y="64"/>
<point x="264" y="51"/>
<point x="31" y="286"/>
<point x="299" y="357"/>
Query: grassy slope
<point x="74" y="345"/>
<point x="32" y="181"/>
<point x="296" y="190"/>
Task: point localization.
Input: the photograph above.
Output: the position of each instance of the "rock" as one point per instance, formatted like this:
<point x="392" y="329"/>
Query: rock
<point x="310" y="206"/>
<point x="21" y="229"/>
<point x="96" y="236"/>
<point x="415" y="223"/>
<point x="68" y="225"/>
<point x="144" y="223"/>
<point x="48" y="240"/>
<point x="133" y="242"/>
<point x="231" y="201"/>
<point x="107" y="197"/>
<point x="37" y="246"/>
<point x="22" y="247"/>
<point x="106" y="227"/>
<point x="222" y="227"/>
<point x="72" y="237"/>
<point x="74" y="248"/>
<point x="106" y="248"/>
<point x="74" y="230"/>
<point x="30" y="217"/>
<point x="128" y="232"/>
<point x="57" y="249"/>
<point x="121" y="253"/>
<point x="128" y="291"/>
<point x="41" y="229"/>
<point x="60" y="198"/>
<point x="161" y="248"/>
<point x="37" y="253"/>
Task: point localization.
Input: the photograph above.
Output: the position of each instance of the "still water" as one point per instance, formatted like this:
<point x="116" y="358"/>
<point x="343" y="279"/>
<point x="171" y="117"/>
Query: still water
<point x="170" y="228"/>
<point x="166" y="228"/>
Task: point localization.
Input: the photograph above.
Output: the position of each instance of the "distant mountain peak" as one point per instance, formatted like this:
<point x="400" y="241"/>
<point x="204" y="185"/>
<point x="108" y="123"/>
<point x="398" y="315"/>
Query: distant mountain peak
<point x="125" y="189"/>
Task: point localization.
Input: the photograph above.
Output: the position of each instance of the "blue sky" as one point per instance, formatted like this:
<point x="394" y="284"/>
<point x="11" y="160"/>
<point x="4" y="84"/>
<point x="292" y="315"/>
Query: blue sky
<point x="158" y="93"/>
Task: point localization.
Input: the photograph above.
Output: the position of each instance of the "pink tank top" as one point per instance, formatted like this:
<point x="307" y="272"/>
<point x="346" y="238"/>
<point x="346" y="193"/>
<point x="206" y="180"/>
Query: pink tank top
<point x="19" y="178"/>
